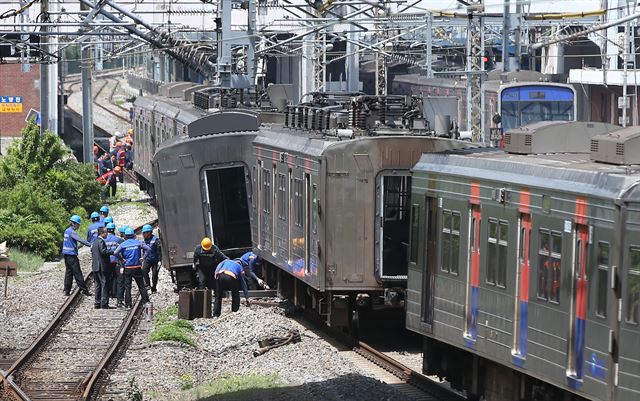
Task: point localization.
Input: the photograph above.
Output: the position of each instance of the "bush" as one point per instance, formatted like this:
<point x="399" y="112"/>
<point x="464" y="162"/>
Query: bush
<point x="40" y="187"/>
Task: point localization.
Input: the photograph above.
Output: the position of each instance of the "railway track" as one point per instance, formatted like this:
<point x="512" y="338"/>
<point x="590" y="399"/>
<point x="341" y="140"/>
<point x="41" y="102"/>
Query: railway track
<point x="71" y="358"/>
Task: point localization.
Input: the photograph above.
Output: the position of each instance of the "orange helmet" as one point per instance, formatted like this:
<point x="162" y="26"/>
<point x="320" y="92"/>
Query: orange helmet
<point x="118" y="144"/>
<point x="206" y="243"/>
<point x="117" y="169"/>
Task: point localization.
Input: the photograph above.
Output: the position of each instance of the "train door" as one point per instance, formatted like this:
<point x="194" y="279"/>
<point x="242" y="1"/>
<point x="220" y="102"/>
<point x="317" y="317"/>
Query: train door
<point x="473" y="275"/>
<point x="430" y="259"/>
<point x="227" y="206"/>
<point x="394" y="229"/>
<point x="521" y="315"/>
<point x="274" y="213"/>
<point x="579" y="288"/>
<point x="307" y="223"/>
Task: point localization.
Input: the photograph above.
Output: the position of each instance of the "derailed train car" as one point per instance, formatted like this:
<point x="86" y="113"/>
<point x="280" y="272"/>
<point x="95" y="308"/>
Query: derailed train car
<point x="525" y="266"/>
<point x="201" y="182"/>
<point x="330" y="200"/>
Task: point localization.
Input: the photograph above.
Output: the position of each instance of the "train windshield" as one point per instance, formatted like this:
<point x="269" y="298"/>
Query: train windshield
<point x="529" y="104"/>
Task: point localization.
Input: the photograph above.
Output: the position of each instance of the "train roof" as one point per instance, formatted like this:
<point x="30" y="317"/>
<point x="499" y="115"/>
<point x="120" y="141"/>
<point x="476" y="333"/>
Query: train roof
<point x="564" y="172"/>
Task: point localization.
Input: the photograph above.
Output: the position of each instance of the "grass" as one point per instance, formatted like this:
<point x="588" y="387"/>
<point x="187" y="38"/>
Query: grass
<point x="231" y="385"/>
<point x="27" y="261"/>
<point x="168" y="328"/>
<point x="119" y="102"/>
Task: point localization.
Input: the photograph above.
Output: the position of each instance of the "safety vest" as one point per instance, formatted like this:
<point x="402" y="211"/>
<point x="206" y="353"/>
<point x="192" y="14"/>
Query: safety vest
<point x="106" y="177"/>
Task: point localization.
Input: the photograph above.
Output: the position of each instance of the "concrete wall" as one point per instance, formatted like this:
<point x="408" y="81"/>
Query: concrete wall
<point x="14" y="82"/>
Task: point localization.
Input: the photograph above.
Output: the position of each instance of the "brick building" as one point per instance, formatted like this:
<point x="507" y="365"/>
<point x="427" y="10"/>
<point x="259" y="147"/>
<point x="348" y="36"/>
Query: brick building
<point x="14" y="82"/>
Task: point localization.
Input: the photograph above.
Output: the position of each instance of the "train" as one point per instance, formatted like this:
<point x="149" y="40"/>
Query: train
<point x="251" y="182"/>
<point x="510" y="99"/>
<point x="525" y="264"/>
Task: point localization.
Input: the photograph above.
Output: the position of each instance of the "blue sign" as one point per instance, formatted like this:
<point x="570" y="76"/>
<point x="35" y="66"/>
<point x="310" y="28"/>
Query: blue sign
<point x="10" y="99"/>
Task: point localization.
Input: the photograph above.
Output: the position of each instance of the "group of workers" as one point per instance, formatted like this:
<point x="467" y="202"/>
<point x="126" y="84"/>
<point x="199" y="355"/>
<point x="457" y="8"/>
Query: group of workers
<point x="110" y="166"/>
<point x="117" y="260"/>
<point x="215" y="270"/>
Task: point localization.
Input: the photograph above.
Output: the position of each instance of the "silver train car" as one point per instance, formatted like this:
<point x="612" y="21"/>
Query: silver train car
<point x="201" y="182"/>
<point x="525" y="266"/>
<point x="330" y="201"/>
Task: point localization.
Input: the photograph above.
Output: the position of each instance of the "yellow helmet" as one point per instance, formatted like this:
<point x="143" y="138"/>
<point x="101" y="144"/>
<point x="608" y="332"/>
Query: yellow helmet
<point x="206" y="243"/>
<point x="130" y="131"/>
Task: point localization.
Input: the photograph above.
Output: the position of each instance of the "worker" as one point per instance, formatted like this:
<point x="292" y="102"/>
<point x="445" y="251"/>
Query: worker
<point x="255" y="263"/>
<point x="228" y="277"/>
<point x="130" y="254"/>
<point x="115" y="150"/>
<point x="116" y="279"/>
<point x="151" y="262"/>
<point x="121" y="157"/>
<point x="113" y="141"/>
<point x="205" y="259"/>
<point x="70" y="254"/>
<point x="128" y="158"/>
<point x="100" y="266"/>
<point x="92" y="231"/>
<point x="129" y="138"/>
<point x="104" y="164"/>
<point x="104" y="212"/>
<point x="109" y="181"/>
<point x="122" y="230"/>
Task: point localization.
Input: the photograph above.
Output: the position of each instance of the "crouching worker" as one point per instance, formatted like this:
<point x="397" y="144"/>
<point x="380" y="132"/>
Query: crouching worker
<point x="251" y="273"/>
<point x="130" y="253"/>
<point x="229" y="278"/>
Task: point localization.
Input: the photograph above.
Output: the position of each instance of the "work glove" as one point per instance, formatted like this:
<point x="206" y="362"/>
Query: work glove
<point x="121" y="270"/>
<point x="193" y="266"/>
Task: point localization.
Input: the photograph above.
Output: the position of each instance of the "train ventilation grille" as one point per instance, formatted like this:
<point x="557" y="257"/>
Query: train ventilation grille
<point x="594" y="146"/>
<point x="507" y="138"/>
<point x="620" y="149"/>
<point x="527" y="140"/>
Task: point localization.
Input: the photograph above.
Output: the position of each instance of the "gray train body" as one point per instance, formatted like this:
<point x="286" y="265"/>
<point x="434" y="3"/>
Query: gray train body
<point x="527" y="269"/>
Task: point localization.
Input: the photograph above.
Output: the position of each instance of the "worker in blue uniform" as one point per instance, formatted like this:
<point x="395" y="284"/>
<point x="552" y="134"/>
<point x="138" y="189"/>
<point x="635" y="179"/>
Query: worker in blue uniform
<point x="228" y="277"/>
<point x="251" y="273"/>
<point x="70" y="254"/>
<point x="122" y="230"/>
<point x="116" y="280"/>
<point x="104" y="212"/>
<point x="100" y="267"/>
<point x="107" y="220"/>
<point x="92" y="231"/>
<point x="130" y="253"/>
<point x="152" y="258"/>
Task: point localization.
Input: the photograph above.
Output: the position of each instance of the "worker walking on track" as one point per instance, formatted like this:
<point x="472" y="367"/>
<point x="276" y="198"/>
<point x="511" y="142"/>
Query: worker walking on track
<point x="101" y="265"/>
<point x="229" y="278"/>
<point x="116" y="279"/>
<point x="205" y="259"/>
<point x="92" y="231"/>
<point x="130" y="254"/>
<point x="70" y="254"/>
<point x="152" y="258"/>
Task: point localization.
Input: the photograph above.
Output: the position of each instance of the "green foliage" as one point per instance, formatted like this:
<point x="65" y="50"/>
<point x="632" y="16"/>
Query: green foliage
<point x="186" y="381"/>
<point x="133" y="391"/>
<point x="40" y="187"/>
<point x="246" y="387"/>
<point x="169" y="328"/>
<point x="27" y="261"/>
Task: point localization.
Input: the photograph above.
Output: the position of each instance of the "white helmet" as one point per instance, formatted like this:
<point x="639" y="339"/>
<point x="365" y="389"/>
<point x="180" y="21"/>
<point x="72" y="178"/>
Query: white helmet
<point x="118" y="134"/>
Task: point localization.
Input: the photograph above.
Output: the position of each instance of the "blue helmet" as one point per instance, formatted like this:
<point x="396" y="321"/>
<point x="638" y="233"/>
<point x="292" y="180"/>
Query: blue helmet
<point x="108" y="220"/>
<point x="129" y="232"/>
<point x="104" y="209"/>
<point x="122" y="229"/>
<point x="147" y="228"/>
<point x="75" y="219"/>
<point x="95" y="215"/>
<point x="111" y="226"/>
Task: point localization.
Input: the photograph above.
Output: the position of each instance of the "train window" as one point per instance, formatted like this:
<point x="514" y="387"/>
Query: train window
<point x="266" y="193"/>
<point x="603" y="274"/>
<point x="497" y="252"/>
<point x="297" y="201"/>
<point x="549" y="263"/>
<point x="415" y="231"/>
<point x="282" y="197"/>
<point x="450" y="241"/>
<point x="254" y="175"/>
<point x="314" y="214"/>
<point x="633" y="286"/>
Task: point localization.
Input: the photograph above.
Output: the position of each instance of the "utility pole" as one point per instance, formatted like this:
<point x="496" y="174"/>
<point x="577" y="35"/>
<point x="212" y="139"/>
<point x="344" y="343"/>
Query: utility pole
<point x="381" y="61"/>
<point x="429" y="56"/>
<point x="506" y="29"/>
<point x="86" y="65"/>
<point x="44" y="71"/>
<point x="475" y="70"/>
